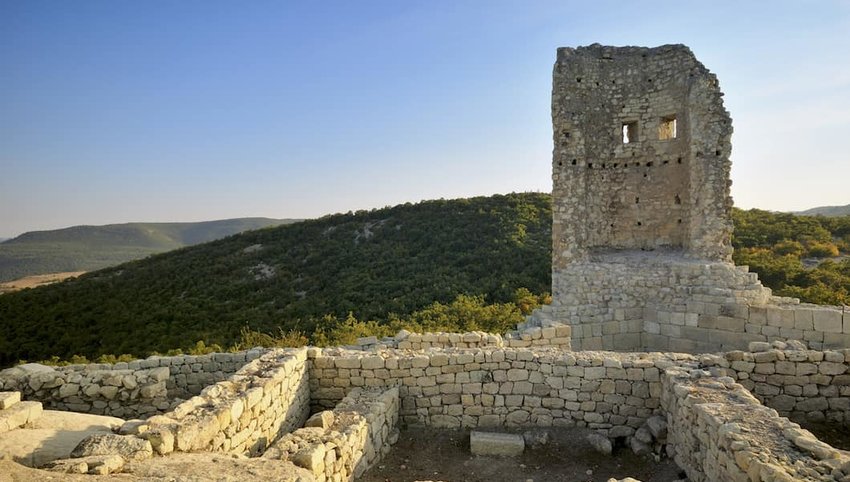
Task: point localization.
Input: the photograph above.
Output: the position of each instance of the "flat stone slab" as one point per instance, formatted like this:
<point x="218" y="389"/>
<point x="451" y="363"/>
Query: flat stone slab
<point x="492" y="443"/>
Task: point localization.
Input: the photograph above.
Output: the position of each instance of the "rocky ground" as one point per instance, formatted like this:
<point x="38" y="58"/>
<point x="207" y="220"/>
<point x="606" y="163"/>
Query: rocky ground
<point x="54" y="435"/>
<point x="201" y="467"/>
<point x="444" y="455"/>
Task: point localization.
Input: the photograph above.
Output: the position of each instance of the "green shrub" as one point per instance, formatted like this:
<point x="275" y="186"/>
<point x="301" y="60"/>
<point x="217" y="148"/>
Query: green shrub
<point x="788" y="247"/>
<point x="817" y="249"/>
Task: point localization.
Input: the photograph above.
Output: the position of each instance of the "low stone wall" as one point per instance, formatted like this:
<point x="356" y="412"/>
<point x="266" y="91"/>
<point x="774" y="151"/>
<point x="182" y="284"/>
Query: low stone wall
<point x="133" y="389"/>
<point x="116" y="392"/>
<point x="805" y="385"/>
<point x="534" y="333"/>
<point x="492" y="387"/>
<point x="528" y="334"/>
<point x="697" y="326"/>
<point x="263" y="400"/>
<point x="423" y="341"/>
<point x="717" y="431"/>
<point x="344" y="443"/>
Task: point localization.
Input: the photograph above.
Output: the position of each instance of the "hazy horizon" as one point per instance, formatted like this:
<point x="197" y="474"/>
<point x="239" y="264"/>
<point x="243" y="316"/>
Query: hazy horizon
<point x="195" y="111"/>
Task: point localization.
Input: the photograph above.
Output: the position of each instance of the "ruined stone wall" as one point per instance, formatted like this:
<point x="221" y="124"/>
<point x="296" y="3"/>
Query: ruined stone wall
<point x="342" y="444"/>
<point x="263" y="400"/>
<point x="139" y="388"/>
<point x="547" y="333"/>
<point x="717" y="431"/>
<point x="494" y="387"/>
<point x="805" y="385"/>
<point x="119" y="393"/>
<point x="656" y="189"/>
<point x="699" y="326"/>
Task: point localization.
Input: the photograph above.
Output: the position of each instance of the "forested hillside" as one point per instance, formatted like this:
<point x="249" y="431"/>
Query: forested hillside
<point x="87" y="248"/>
<point x="374" y="265"/>
<point x="479" y="263"/>
<point x="806" y="257"/>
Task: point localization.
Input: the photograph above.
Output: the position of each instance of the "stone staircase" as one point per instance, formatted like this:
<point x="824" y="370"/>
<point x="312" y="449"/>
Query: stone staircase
<point x="14" y="413"/>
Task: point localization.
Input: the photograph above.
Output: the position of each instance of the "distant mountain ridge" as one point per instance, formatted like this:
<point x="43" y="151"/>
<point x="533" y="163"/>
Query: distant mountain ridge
<point x="827" y="211"/>
<point x="87" y="248"/>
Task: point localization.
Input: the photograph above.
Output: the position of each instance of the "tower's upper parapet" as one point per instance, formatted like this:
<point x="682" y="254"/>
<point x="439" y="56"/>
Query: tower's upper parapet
<point x="641" y="154"/>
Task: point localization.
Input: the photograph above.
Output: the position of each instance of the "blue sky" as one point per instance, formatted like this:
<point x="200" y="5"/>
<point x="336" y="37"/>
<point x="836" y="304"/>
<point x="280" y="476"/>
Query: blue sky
<point x="118" y="111"/>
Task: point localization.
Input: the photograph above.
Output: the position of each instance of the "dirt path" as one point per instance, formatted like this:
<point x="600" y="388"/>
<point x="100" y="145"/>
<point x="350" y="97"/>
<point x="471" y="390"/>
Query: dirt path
<point x="443" y="455"/>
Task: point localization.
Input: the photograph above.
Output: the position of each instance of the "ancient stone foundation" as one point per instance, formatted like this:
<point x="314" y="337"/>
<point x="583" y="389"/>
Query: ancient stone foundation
<point x="713" y="413"/>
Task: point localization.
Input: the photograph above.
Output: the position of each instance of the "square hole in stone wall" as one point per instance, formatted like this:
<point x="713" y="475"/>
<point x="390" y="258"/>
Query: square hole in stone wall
<point x="630" y="132"/>
<point x="667" y="128"/>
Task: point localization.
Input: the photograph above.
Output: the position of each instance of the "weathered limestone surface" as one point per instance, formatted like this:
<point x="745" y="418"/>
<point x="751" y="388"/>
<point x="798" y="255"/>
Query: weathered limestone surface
<point x="498" y="444"/>
<point x="266" y="398"/>
<point x="717" y="431"/>
<point x="805" y="385"/>
<point x="52" y="436"/>
<point x="18" y="415"/>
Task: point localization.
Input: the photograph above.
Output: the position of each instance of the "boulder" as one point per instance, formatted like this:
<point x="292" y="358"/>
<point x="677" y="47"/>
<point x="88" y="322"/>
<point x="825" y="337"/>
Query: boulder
<point x="644" y="435"/>
<point x="535" y="438"/>
<point x="600" y="443"/>
<point x="657" y="425"/>
<point x="127" y="446"/>
<point x="638" y="447"/>
<point x="321" y="420"/>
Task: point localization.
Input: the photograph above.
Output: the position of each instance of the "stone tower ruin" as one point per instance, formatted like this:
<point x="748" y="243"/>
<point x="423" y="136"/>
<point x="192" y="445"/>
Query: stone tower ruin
<point x="642" y="213"/>
<point x="641" y="158"/>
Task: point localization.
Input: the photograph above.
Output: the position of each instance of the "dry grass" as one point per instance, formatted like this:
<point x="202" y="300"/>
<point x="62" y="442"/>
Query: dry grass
<point x="36" y="281"/>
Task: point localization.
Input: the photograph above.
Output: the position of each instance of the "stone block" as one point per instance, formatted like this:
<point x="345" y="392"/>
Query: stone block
<point x="311" y="458"/>
<point x="627" y="341"/>
<point x="321" y="420"/>
<point x="730" y="324"/>
<point x="827" y="320"/>
<point x="19" y="415"/>
<point x="836" y="340"/>
<point x="350" y="362"/>
<point x="758" y="315"/>
<point x="496" y="444"/>
<point x="803" y="319"/>
<point x="7" y="399"/>
<point x="372" y="362"/>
